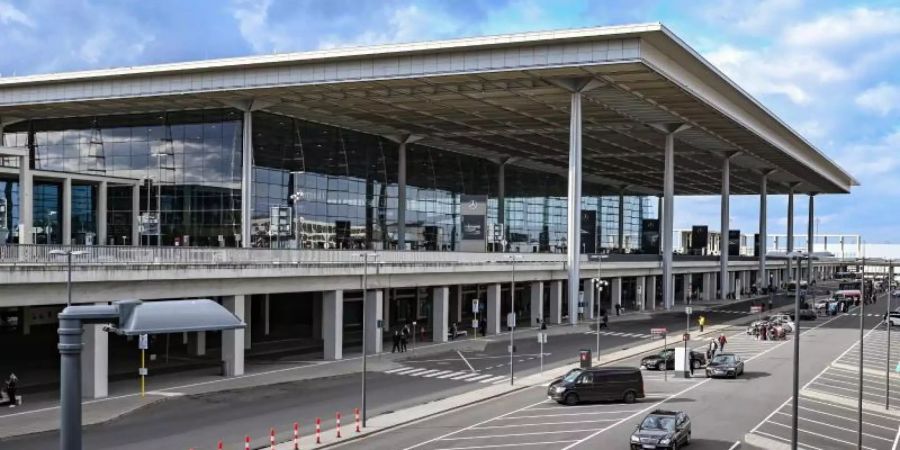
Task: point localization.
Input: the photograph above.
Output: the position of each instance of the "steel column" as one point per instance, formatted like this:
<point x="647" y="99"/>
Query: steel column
<point x="573" y="235"/>
<point x="66" y="216"/>
<point x="723" y="238"/>
<point x="761" y="280"/>
<point x="810" y="237"/>
<point x="790" y="231"/>
<point x="401" y="195"/>
<point x="668" y="287"/>
<point x="247" y="180"/>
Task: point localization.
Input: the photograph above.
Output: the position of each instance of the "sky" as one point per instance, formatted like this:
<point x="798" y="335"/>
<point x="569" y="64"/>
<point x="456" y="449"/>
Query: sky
<point x="830" y="69"/>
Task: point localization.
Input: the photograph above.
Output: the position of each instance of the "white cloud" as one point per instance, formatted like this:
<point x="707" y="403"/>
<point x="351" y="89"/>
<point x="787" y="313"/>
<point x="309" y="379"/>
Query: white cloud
<point x="875" y="163"/>
<point x="842" y="28"/>
<point x="9" y="14"/>
<point x="881" y="99"/>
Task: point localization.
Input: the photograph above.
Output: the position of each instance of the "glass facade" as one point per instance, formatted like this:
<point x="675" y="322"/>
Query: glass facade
<point x="327" y="187"/>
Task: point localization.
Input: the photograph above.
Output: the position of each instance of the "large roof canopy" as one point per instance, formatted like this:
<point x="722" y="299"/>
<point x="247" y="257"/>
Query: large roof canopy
<point x="499" y="97"/>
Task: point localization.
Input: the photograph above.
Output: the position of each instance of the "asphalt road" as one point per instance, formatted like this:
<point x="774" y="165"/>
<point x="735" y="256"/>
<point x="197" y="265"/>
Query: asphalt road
<point x="199" y="421"/>
<point x="722" y="411"/>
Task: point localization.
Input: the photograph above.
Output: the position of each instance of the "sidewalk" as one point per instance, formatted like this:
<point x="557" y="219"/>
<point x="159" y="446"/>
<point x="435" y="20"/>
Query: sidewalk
<point x="39" y="413"/>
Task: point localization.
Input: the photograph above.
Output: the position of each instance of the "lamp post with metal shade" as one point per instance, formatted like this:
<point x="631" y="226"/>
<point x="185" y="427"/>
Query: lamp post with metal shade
<point x="365" y="351"/>
<point x="887" y="324"/>
<point x="69" y="254"/>
<point x="512" y="324"/>
<point x="598" y="288"/>
<point x="296" y="197"/>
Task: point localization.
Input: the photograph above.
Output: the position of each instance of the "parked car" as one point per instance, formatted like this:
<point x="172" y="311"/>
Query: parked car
<point x="599" y="384"/>
<point x="895" y="318"/>
<point x="665" y="360"/>
<point x="725" y="365"/>
<point x="662" y="430"/>
<point x="805" y="314"/>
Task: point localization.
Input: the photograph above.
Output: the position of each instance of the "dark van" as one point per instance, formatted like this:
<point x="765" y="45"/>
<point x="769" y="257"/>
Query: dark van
<point x="599" y="384"/>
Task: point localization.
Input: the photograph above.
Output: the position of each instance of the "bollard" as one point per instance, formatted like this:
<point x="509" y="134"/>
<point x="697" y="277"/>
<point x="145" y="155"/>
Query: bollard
<point x="219" y="447"/>
<point x="296" y="436"/>
<point x="271" y="438"/>
<point x="246" y="442"/>
<point x="356" y="413"/>
<point x="318" y="430"/>
<point x="338" y="416"/>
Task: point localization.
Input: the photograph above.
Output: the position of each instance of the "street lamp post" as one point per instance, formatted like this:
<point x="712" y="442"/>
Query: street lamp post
<point x="296" y="197"/>
<point x="862" y="316"/>
<point x="365" y="352"/>
<point x="512" y="324"/>
<point x="887" y="324"/>
<point x="598" y="287"/>
<point x="69" y="253"/>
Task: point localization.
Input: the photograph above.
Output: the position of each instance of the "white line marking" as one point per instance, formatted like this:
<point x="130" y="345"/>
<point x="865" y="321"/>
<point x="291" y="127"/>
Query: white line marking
<point x="479" y="377"/>
<point x="415" y="372"/>
<point x="801" y="430"/>
<point x="519" y="425"/>
<point x="491" y="436"/>
<point x="504" y="445"/>
<point x="833" y="426"/>
<point x="463" y="377"/>
<point x="465" y="361"/>
<point x="425" y="372"/>
<point x="779" y="438"/>
<point x="453" y="374"/>
<point x="735" y="445"/>
<point x="442" y="372"/>
<point x="565" y="414"/>
<point x="397" y="370"/>
<point x="491" y="380"/>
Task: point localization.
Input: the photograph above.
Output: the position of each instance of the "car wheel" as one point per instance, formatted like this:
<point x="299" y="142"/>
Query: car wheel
<point x="630" y="397"/>
<point x="695" y="364"/>
<point x="571" y="399"/>
<point x="687" y="441"/>
<point x="660" y="366"/>
<point x="675" y="446"/>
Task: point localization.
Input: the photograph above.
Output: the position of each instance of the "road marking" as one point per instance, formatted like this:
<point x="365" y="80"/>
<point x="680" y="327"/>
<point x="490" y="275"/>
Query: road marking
<point x="833" y="426"/>
<point x="479" y="377"/>
<point x="464" y="377"/>
<point x="735" y="445"/>
<point x="528" y="444"/>
<point x="442" y="372"/>
<point x="519" y="425"/>
<point x="801" y="430"/>
<point x="396" y="370"/>
<point x="491" y="436"/>
<point x="418" y="371"/>
<point x="454" y="374"/>
<point x="779" y="438"/>
<point x="491" y="380"/>
<point x="566" y="414"/>
<point x="823" y="413"/>
<point x="465" y="361"/>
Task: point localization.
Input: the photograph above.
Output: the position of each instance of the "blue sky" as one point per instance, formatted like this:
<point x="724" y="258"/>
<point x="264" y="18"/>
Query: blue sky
<point x="831" y="69"/>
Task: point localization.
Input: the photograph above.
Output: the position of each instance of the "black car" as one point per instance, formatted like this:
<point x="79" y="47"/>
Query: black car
<point x="805" y="314"/>
<point x="598" y="384"/>
<point x="662" y="429"/>
<point x="725" y="365"/>
<point x="665" y="359"/>
<point x="570" y="375"/>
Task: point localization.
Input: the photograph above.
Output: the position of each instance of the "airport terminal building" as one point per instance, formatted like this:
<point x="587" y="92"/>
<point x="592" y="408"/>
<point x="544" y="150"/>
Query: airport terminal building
<point x="441" y="172"/>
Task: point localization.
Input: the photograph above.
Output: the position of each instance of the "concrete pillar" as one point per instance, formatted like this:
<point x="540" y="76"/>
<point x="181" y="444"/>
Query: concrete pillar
<point x="640" y="293"/>
<point x="573" y="220"/>
<point x="247" y="180"/>
<point x="714" y="286"/>
<point x="588" y="289"/>
<point x="101" y="213"/>
<point x="374" y="313"/>
<point x="135" y="215"/>
<point x="26" y="201"/>
<point x="725" y="225"/>
<point x="95" y="362"/>
<point x="197" y="346"/>
<point x="763" y="236"/>
<point x="667" y="232"/>
<point x="440" y="309"/>
<point x="810" y="237"/>
<point x="248" y="319"/>
<point x="707" y="288"/>
<point x="790" y="229"/>
<point x="333" y="324"/>
<point x="687" y="288"/>
<point x="233" y="340"/>
<point x="616" y="292"/>
<point x="318" y="331"/>
<point x="537" y="302"/>
<point x="492" y="313"/>
<point x="266" y="315"/>
<point x="650" y="298"/>
<point x="459" y="305"/>
<point x="66" y="216"/>
<point x="555" y="302"/>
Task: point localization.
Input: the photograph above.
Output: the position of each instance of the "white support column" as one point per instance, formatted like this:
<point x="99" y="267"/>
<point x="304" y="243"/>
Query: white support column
<point x="266" y="322"/>
<point x="667" y="233"/>
<point x="401" y="195"/>
<point x="198" y="344"/>
<point x="616" y="292"/>
<point x="95" y="362"/>
<point x="707" y="288"/>
<point x="333" y="324"/>
<point x="374" y="313"/>
<point x="537" y="302"/>
<point x="135" y="215"/>
<point x="555" y="302"/>
<point x="233" y="340"/>
<point x="687" y="288"/>
<point x="492" y="313"/>
<point x="640" y="293"/>
<point x="459" y="304"/>
<point x="810" y="239"/>
<point x="714" y="283"/>
<point x="66" y="216"/>
<point x="573" y="234"/>
<point x="650" y="298"/>
<point x="440" y="309"/>
<point x="762" y="281"/>
<point x="725" y="225"/>
<point x="26" y="201"/>
<point x="247" y="180"/>
<point x="587" y="287"/>
<point x="248" y="319"/>
<point x="102" y="192"/>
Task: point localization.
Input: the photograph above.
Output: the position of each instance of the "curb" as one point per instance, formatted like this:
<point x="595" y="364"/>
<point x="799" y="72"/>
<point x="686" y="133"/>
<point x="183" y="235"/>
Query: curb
<point x="756" y="442"/>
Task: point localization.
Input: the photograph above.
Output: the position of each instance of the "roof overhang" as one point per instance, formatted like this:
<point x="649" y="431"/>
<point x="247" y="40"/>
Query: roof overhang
<point x="501" y="98"/>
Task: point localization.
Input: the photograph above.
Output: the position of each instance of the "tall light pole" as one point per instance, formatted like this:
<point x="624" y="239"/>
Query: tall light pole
<point x="512" y="324"/>
<point x="887" y="324"/>
<point x="296" y="197"/>
<point x="69" y="253"/>
<point x="862" y="316"/>
<point x="598" y="287"/>
<point x="365" y="352"/>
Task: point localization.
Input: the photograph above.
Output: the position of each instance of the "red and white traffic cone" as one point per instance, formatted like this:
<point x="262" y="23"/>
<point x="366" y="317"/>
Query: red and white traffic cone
<point x="246" y="442"/>
<point x="338" y="416"/>
<point x="219" y="447"/>
<point x="271" y="438"/>
<point x="296" y="436"/>
<point x="356" y="414"/>
<point x="318" y="430"/>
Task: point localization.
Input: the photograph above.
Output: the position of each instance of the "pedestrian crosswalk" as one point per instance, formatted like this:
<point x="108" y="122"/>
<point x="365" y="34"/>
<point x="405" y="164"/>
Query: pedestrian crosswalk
<point x="455" y="375"/>
<point x="621" y="334"/>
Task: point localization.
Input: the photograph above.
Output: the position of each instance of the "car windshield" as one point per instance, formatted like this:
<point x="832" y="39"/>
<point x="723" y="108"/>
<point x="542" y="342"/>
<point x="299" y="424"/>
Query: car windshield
<point x="572" y="375"/>
<point x="658" y="423"/>
<point x="666" y="353"/>
<point x="724" y="359"/>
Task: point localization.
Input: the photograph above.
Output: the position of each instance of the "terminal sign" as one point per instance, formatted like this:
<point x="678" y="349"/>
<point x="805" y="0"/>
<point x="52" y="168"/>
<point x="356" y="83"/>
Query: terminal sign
<point x="755" y="309"/>
<point x="658" y="331"/>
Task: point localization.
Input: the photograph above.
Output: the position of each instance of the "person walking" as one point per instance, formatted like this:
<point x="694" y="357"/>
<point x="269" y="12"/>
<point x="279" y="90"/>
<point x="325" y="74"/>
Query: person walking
<point x="722" y="342"/>
<point x="404" y="337"/>
<point x="605" y="320"/>
<point x="453" y="330"/>
<point x="12" y="385"/>
<point x="396" y="341"/>
<point x="702" y="321"/>
<point x="618" y="309"/>
<point x="709" y="350"/>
